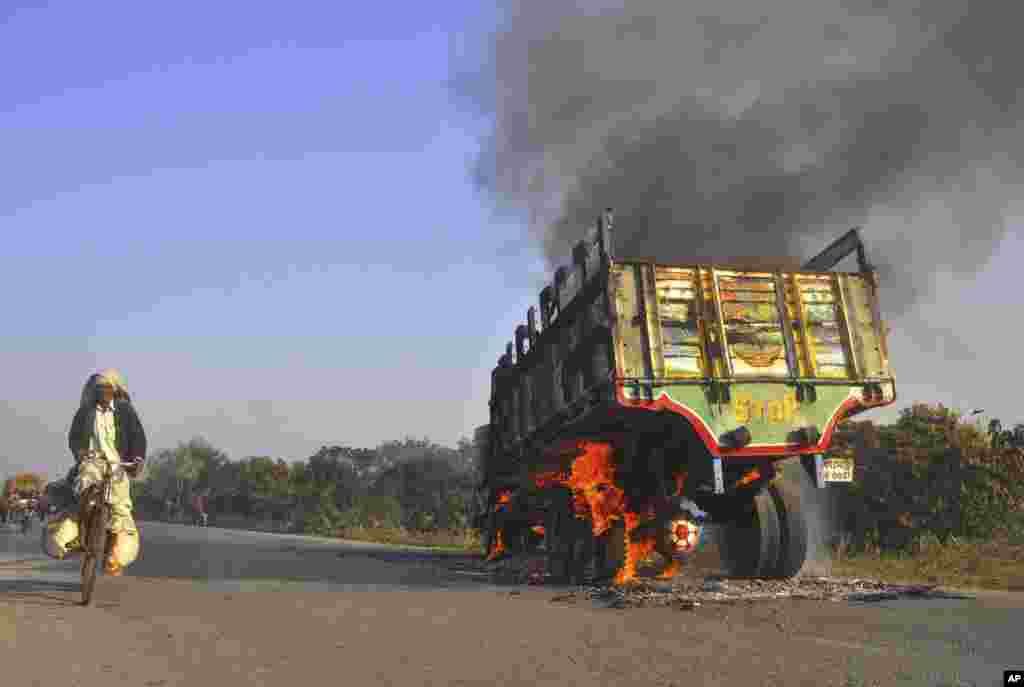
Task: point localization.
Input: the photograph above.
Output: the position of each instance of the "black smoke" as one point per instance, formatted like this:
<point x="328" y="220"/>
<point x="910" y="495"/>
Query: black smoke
<point x="736" y="128"/>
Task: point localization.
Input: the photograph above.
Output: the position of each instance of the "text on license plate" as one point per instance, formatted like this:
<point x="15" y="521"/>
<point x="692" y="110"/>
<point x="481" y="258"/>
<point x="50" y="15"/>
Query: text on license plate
<point x="837" y="469"/>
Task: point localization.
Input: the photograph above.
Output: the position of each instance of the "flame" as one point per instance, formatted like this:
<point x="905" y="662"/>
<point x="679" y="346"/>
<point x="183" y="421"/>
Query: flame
<point x="591" y="477"/>
<point x="592" y="481"/>
<point x="751" y="476"/>
<point x="504" y="497"/>
<point x="671" y="570"/>
<point x="499" y="546"/>
<point x="637" y="548"/>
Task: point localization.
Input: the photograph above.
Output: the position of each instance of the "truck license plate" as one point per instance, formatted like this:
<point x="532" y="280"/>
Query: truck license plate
<point x="838" y="469"/>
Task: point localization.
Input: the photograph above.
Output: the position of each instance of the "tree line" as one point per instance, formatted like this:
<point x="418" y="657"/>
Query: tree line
<point x="410" y="483"/>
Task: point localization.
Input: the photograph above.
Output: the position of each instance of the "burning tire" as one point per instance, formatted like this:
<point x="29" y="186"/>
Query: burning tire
<point x="613" y="551"/>
<point x="793" y="529"/>
<point x="567" y="542"/>
<point x="750" y="542"/>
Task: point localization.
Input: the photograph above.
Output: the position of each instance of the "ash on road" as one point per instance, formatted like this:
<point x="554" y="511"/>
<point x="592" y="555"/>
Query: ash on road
<point x="209" y="606"/>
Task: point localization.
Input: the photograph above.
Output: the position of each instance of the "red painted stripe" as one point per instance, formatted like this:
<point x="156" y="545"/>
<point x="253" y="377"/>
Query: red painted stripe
<point x="663" y="402"/>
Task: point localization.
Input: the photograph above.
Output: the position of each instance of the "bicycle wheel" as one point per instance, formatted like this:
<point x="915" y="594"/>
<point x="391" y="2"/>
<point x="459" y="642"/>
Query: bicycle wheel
<point x="95" y="540"/>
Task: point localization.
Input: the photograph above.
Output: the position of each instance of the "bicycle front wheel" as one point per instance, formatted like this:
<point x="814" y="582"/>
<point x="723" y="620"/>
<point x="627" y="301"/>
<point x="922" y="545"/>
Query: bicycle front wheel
<point x="95" y="541"/>
<point x="89" y="563"/>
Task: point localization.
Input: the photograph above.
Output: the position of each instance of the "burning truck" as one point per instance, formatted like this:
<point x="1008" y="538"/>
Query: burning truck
<point x="649" y="400"/>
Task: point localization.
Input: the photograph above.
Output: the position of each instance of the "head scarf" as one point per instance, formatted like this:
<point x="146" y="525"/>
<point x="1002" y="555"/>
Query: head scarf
<point x="109" y="376"/>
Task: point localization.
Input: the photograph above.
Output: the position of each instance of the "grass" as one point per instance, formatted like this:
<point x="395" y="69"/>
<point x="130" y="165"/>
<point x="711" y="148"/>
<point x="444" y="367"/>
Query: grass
<point x="447" y="540"/>
<point x="986" y="564"/>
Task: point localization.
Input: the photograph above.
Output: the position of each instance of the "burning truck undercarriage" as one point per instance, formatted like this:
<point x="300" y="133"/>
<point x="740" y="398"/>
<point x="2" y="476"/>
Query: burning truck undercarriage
<point x="594" y="525"/>
<point x="656" y="399"/>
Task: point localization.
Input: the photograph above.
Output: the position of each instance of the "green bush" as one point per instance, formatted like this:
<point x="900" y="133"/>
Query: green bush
<point x="325" y="519"/>
<point x="372" y="511"/>
<point x="457" y="516"/>
<point x="928" y="473"/>
<point x="987" y="502"/>
<point x="422" y="520"/>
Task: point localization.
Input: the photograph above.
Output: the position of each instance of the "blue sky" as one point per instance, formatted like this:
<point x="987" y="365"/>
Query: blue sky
<point x="263" y="217"/>
<point x="262" y="214"/>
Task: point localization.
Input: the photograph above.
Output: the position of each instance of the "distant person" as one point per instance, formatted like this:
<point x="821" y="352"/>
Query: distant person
<point x="199" y="509"/>
<point x="106" y="429"/>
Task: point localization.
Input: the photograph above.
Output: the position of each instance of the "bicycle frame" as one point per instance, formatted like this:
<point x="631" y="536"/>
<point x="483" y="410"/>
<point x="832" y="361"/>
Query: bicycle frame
<point x="93" y="549"/>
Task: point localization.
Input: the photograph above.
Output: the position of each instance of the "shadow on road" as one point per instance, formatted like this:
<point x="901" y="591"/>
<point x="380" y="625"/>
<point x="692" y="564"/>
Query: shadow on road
<point x="40" y="592"/>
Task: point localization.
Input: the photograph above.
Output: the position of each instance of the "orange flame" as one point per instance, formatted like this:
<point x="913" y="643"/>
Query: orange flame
<point x="637" y="548"/>
<point x="597" y="497"/>
<point x="593" y="484"/>
<point x="751" y="476"/>
<point x="499" y="546"/>
<point x="504" y="497"/>
<point x="670" y="571"/>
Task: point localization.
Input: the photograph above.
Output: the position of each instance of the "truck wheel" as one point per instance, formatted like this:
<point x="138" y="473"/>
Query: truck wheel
<point x="750" y="541"/>
<point x="488" y="535"/>
<point x="569" y="543"/>
<point x="613" y="551"/>
<point x="793" y="529"/>
<point x="581" y="551"/>
<point x="557" y="545"/>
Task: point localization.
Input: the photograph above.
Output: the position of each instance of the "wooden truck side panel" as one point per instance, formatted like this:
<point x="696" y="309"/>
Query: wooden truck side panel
<point x="776" y="376"/>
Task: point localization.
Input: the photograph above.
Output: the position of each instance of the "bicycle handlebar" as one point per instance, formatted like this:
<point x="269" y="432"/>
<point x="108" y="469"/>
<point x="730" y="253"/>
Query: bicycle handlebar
<point x="95" y="455"/>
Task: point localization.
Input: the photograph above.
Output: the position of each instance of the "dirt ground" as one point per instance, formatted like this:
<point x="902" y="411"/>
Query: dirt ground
<point x="300" y="609"/>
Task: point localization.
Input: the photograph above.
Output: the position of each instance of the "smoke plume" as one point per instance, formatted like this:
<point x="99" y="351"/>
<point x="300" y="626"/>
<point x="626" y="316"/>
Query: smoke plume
<point x="728" y="128"/>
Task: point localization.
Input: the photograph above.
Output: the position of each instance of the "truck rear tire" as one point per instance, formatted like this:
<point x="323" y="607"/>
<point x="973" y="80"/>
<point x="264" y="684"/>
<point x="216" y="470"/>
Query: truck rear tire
<point x="488" y="535"/>
<point x="613" y="551"/>
<point x="557" y="561"/>
<point x="750" y="541"/>
<point x="570" y="544"/>
<point x="793" y="529"/>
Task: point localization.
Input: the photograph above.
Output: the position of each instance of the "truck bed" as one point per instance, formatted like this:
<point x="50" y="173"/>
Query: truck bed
<point x="638" y="346"/>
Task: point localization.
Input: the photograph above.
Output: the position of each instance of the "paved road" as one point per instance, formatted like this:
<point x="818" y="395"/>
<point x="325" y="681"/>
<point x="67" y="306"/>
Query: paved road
<point x="209" y="606"/>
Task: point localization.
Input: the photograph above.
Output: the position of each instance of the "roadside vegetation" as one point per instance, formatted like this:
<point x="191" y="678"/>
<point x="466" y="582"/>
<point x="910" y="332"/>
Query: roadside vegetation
<point x="412" y="491"/>
<point x="978" y="564"/>
<point x="936" y="499"/>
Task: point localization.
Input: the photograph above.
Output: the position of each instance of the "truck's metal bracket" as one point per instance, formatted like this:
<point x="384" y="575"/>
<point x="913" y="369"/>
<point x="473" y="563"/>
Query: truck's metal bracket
<point x="819" y="471"/>
<point x="837" y="250"/>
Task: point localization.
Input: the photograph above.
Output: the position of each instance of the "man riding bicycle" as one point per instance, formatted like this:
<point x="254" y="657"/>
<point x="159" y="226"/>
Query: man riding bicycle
<point x="106" y="429"/>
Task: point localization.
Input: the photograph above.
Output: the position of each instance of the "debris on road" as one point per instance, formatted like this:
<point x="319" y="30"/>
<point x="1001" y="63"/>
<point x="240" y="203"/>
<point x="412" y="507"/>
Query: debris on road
<point x="687" y="594"/>
<point x="690" y="591"/>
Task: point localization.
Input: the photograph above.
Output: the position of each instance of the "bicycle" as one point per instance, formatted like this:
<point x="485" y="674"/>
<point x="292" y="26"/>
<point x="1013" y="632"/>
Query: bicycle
<point x="94" y="520"/>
